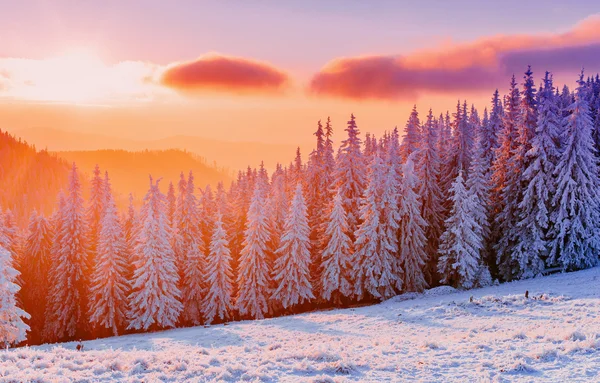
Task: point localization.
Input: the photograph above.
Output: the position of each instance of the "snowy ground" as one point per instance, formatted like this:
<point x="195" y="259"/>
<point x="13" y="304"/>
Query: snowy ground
<point x="440" y="336"/>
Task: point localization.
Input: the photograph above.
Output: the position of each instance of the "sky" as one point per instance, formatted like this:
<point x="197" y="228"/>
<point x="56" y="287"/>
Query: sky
<point x="267" y="71"/>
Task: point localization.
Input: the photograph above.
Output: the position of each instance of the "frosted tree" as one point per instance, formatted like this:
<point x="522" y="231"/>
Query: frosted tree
<point x="35" y="266"/>
<point x="69" y="285"/>
<point x="192" y="250"/>
<point x="291" y="272"/>
<point x="254" y="276"/>
<point x="108" y="285"/>
<point x="413" y="243"/>
<point x="350" y="174"/>
<point x="428" y="170"/>
<point x="336" y="257"/>
<point x="460" y="244"/>
<point x="12" y="327"/>
<point x="374" y="262"/>
<point x="95" y="211"/>
<point x="129" y="228"/>
<point x="155" y="297"/>
<point x="575" y="242"/>
<point x="412" y="136"/>
<point x="535" y="207"/>
<point x="219" y="276"/>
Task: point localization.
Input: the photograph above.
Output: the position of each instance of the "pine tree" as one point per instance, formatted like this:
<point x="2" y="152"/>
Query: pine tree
<point x="69" y="286"/>
<point x="291" y="270"/>
<point x="219" y="276"/>
<point x="192" y="255"/>
<point x="575" y="243"/>
<point x="254" y="277"/>
<point x="412" y="137"/>
<point x="350" y="175"/>
<point x="108" y="285"/>
<point x="413" y="255"/>
<point x="155" y="297"/>
<point x="95" y="211"/>
<point x="535" y="207"/>
<point x="428" y="170"/>
<point x="375" y="267"/>
<point x="12" y="328"/>
<point x="460" y="244"/>
<point x="335" y="261"/>
<point x="129" y="228"/>
<point x="34" y="267"/>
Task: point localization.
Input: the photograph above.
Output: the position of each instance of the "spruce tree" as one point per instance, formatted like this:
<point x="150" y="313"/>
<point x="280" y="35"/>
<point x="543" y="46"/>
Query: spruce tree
<point x="335" y="261"/>
<point x="412" y="136"/>
<point x="12" y="327"/>
<point x="254" y="276"/>
<point x="219" y="276"/>
<point x="460" y="244"/>
<point x="109" y="285"/>
<point x="155" y="297"/>
<point x="575" y="241"/>
<point x="291" y="272"/>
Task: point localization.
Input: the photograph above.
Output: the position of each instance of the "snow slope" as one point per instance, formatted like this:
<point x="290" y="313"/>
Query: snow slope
<point x="554" y="336"/>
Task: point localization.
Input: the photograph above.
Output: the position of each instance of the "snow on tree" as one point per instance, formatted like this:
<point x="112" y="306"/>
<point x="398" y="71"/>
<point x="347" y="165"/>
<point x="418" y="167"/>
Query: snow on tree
<point x="108" y="284"/>
<point x="95" y="211"/>
<point x="413" y="243"/>
<point x="219" y="276"/>
<point x="12" y="327"/>
<point x="129" y="228"/>
<point x="155" y="297"/>
<point x="69" y="285"/>
<point x="254" y="276"/>
<point x="34" y="267"/>
<point x="412" y="136"/>
<point x="335" y="260"/>
<point x="460" y="244"/>
<point x="350" y="174"/>
<point x="192" y="253"/>
<point x="575" y="242"/>
<point x="291" y="272"/>
<point x="375" y="266"/>
<point x="428" y="170"/>
<point x="535" y="207"/>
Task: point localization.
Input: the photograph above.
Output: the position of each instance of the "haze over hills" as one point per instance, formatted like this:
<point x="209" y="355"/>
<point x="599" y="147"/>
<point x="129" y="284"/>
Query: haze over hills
<point x="129" y="170"/>
<point x="226" y="154"/>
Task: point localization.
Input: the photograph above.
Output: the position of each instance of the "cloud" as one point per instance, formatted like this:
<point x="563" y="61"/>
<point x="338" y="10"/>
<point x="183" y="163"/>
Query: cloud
<point x="474" y="66"/>
<point x="224" y="74"/>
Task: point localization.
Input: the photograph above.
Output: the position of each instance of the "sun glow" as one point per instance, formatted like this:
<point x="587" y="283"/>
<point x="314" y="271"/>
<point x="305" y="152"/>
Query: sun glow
<point x="79" y="76"/>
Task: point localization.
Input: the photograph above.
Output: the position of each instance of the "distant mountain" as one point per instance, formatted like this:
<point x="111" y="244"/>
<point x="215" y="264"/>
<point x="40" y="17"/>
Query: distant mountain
<point x="227" y="154"/>
<point x="129" y="170"/>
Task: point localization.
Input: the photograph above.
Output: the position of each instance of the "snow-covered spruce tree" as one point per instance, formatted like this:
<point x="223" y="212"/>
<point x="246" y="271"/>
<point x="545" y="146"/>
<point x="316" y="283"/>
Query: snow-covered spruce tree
<point x="335" y="261"/>
<point x="575" y="240"/>
<point x="155" y="298"/>
<point x="95" y="211"/>
<point x="375" y="266"/>
<point x="69" y="286"/>
<point x="291" y="272"/>
<point x="192" y="251"/>
<point x="254" y="275"/>
<point x="531" y="248"/>
<point x="109" y="285"/>
<point x="413" y="243"/>
<point x="34" y="267"/>
<point x="12" y="328"/>
<point x="351" y="175"/>
<point x="9" y="236"/>
<point x="412" y="136"/>
<point x="129" y="228"/>
<point x="460" y="244"/>
<point x="428" y="170"/>
<point x="219" y="276"/>
<point x="506" y="184"/>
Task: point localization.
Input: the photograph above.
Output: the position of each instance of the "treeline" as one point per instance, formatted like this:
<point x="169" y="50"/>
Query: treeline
<point x="461" y="199"/>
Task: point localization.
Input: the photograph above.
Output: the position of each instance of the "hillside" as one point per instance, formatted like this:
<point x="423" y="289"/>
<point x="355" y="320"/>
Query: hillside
<point x="232" y="155"/>
<point x="490" y="334"/>
<point x="31" y="179"/>
<point x="129" y="171"/>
